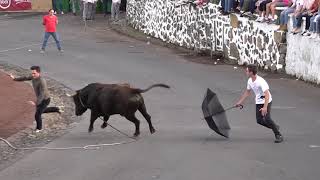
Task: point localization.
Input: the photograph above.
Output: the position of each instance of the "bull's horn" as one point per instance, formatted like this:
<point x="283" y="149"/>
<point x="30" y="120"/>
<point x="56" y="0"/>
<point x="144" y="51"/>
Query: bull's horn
<point x="70" y="95"/>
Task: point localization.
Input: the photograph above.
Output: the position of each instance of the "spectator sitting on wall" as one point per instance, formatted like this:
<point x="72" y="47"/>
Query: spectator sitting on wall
<point x="300" y="12"/>
<point x="271" y="7"/>
<point x="309" y="14"/>
<point x="284" y="15"/>
<point x="247" y="6"/>
<point x="261" y="8"/>
<point x="314" y="29"/>
<point x="229" y="6"/>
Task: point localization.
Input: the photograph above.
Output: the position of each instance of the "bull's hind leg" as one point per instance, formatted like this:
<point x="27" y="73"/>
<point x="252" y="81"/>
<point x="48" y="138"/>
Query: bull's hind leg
<point x="136" y="122"/>
<point x="105" y="122"/>
<point x="145" y="114"/>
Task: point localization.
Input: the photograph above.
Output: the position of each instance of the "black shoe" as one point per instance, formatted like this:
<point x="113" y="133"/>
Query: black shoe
<point x="279" y="139"/>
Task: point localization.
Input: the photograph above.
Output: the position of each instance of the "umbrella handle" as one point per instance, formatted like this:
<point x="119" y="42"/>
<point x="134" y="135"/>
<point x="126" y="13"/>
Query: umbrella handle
<point x="239" y="106"/>
<point x="236" y="106"/>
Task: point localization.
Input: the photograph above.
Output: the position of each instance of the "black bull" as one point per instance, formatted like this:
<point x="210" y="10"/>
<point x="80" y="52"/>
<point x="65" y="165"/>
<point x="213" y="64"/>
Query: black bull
<point x="109" y="99"/>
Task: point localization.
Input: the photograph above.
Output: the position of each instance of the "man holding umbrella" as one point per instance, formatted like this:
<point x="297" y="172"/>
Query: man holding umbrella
<point x="263" y="101"/>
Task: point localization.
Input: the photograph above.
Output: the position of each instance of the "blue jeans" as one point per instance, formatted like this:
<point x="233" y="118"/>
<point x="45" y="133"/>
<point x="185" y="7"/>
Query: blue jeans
<point x="317" y="25"/>
<point x="223" y="4"/>
<point x="228" y="5"/>
<point x="297" y="20"/>
<point x="46" y="37"/>
<point x="284" y="16"/>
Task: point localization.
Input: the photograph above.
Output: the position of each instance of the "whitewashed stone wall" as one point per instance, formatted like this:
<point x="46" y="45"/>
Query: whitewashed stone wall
<point x="303" y="58"/>
<point x="204" y="28"/>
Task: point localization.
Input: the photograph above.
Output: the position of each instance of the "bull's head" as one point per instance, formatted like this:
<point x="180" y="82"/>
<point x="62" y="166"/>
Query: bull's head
<point x="79" y="103"/>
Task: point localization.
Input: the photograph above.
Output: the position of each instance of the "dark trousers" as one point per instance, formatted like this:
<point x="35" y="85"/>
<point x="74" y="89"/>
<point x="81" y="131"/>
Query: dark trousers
<point x="42" y="108"/>
<point x="266" y="121"/>
<point x="251" y="6"/>
<point x="105" y="6"/>
<point x="57" y="6"/>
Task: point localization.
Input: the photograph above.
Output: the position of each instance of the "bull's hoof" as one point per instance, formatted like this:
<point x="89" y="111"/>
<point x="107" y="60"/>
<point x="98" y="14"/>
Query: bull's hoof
<point x="104" y="125"/>
<point x="90" y="129"/>
<point x="136" y="134"/>
<point x="152" y="130"/>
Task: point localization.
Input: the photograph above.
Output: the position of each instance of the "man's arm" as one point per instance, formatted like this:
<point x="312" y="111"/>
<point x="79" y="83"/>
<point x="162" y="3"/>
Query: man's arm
<point x="264" y="110"/>
<point x="243" y="97"/>
<point x="22" y="78"/>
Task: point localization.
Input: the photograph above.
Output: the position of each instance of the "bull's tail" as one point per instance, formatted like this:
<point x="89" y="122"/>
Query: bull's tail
<point x="153" y="86"/>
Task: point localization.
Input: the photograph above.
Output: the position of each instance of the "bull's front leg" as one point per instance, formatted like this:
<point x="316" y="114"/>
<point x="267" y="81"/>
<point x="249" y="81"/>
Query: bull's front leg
<point x="105" y="122"/>
<point x="93" y="118"/>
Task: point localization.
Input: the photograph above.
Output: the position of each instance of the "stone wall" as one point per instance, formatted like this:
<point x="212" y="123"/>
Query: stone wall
<point x="204" y="28"/>
<point x="303" y="58"/>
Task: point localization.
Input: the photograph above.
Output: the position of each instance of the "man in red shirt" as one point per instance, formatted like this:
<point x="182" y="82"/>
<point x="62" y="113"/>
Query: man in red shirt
<point x="50" y="22"/>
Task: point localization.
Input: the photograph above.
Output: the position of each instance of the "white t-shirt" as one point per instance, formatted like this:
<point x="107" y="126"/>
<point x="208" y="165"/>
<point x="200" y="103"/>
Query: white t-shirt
<point x="259" y="86"/>
<point x="116" y="1"/>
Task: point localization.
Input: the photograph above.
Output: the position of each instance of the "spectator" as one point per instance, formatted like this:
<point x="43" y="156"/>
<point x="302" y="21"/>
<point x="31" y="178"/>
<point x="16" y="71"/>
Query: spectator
<point x="247" y="6"/>
<point x="309" y="14"/>
<point x="316" y="25"/>
<point x="302" y="11"/>
<point x="228" y="6"/>
<point x="284" y="15"/>
<point x="105" y="6"/>
<point x="85" y="9"/>
<point x="115" y="10"/>
<point x="50" y="22"/>
<point x="272" y="7"/>
<point x="313" y="30"/>
<point x="262" y="7"/>
<point x="73" y="6"/>
<point x="92" y="6"/>
<point x="57" y="6"/>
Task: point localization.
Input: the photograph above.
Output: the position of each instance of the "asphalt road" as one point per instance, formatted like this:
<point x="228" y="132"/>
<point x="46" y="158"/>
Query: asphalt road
<point x="183" y="148"/>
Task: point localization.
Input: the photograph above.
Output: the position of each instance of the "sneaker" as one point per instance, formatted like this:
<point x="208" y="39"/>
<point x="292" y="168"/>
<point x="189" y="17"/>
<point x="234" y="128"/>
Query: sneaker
<point x="303" y="32"/>
<point x="38" y="130"/>
<point x="42" y="51"/>
<point x="62" y="12"/>
<point x="271" y="21"/>
<point x="259" y="19"/>
<point x="308" y="33"/>
<point x="313" y="36"/>
<point x="279" y="139"/>
<point x="61" y="50"/>
<point x="264" y="20"/>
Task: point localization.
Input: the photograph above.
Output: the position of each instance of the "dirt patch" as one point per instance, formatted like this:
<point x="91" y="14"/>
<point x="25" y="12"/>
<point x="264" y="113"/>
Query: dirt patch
<point x="55" y="124"/>
<point x="15" y="113"/>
